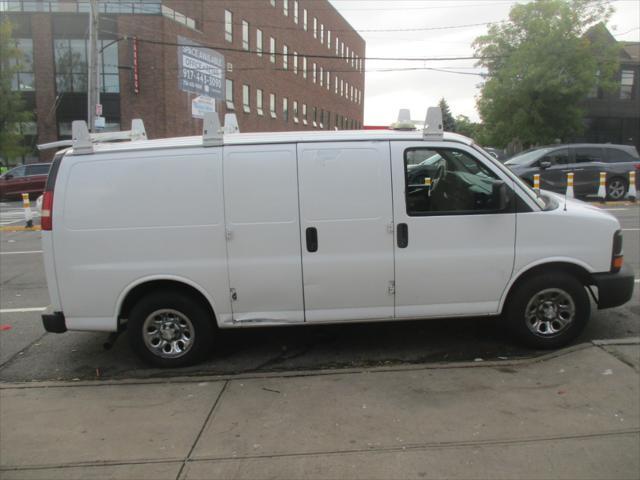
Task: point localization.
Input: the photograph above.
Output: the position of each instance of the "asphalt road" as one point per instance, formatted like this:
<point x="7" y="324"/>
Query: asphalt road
<point x="28" y="353"/>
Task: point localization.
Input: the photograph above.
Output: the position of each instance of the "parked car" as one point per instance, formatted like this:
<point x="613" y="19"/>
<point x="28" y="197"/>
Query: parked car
<point x="586" y="161"/>
<point x="29" y="179"/>
<point x="304" y="228"/>
<point x="496" y="153"/>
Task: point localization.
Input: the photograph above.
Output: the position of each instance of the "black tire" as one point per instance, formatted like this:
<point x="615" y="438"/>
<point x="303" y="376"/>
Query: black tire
<point x="192" y="321"/>
<point x="616" y="188"/>
<point x="531" y="332"/>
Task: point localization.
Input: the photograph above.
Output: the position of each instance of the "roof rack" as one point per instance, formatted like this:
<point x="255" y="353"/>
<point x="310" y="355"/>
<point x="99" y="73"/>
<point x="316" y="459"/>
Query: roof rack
<point x="433" y="124"/>
<point x="213" y="133"/>
<point x="82" y="141"/>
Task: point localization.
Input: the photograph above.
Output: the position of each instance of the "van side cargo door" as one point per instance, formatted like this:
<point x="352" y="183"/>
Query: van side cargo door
<point x="346" y="229"/>
<point x="263" y="233"/>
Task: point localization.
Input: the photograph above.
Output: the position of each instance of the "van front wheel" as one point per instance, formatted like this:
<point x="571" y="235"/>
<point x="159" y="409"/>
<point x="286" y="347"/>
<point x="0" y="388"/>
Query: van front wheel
<point x="548" y="311"/>
<point x="169" y="329"/>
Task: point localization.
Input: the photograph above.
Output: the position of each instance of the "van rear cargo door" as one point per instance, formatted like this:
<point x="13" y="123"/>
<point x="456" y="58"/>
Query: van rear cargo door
<point x="346" y="229"/>
<point x="263" y="233"/>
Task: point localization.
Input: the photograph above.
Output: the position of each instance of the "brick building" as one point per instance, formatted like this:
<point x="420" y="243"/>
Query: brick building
<point x="290" y="64"/>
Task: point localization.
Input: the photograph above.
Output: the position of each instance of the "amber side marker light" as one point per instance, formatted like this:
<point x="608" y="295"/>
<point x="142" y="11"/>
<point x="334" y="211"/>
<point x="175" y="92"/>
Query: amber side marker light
<point x="616" y="255"/>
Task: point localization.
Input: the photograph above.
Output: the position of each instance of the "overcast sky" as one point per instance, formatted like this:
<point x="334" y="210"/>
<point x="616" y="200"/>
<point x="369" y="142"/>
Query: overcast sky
<point x="386" y="92"/>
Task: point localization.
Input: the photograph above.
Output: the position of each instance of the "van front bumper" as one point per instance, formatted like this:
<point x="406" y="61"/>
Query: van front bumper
<point x="54" y="322"/>
<point x="614" y="288"/>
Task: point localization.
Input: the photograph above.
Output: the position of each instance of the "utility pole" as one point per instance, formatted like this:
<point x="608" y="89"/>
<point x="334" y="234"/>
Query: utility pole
<point x="93" y="90"/>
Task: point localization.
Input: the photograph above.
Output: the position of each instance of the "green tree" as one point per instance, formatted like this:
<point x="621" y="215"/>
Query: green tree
<point x="541" y="66"/>
<point x="12" y="107"/>
<point x="448" y="123"/>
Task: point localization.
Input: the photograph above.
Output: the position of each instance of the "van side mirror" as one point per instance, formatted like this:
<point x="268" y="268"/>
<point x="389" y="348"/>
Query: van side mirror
<point x="500" y="195"/>
<point x="8" y="176"/>
<point x="545" y="164"/>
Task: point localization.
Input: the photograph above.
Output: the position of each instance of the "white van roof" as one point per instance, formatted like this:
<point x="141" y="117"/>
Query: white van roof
<point x="275" y="138"/>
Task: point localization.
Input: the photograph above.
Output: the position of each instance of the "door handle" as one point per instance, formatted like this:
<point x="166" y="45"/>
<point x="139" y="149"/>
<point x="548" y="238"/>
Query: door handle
<point x="312" y="239"/>
<point x="403" y="235"/>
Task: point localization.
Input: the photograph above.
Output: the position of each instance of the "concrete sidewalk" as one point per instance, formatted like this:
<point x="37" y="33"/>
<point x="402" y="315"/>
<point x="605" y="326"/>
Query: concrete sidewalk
<point x="573" y="414"/>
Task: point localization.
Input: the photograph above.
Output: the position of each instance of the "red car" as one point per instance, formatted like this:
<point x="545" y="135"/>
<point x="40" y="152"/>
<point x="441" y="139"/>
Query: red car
<point x="24" y="179"/>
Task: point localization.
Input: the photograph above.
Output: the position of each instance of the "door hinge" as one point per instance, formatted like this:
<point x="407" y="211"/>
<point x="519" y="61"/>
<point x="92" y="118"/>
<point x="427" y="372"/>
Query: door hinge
<point x="392" y="288"/>
<point x="234" y="295"/>
<point x="228" y="233"/>
<point x="390" y="227"/>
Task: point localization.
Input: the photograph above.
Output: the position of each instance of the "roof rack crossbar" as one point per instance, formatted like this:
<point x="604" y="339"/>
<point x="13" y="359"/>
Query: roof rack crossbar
<point x="82" y="141"/>
<point x="212" y="134"/>
<point x="433" y="124"/>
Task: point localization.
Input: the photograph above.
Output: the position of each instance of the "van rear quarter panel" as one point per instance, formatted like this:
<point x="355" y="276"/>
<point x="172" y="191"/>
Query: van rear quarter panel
<point x="122" y="217"/>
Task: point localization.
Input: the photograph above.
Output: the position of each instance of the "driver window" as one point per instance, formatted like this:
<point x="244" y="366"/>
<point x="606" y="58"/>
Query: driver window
<point x="447" y="181"/>
<point x="18" y="171"/>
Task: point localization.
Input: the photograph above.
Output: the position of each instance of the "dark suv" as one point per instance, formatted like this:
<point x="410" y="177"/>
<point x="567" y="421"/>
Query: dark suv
<point x="24" y="179"/>
<point x="586" y="161"/>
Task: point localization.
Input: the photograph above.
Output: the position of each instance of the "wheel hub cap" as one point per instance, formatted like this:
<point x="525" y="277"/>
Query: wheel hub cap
<point x="550" y="312"/>
<point x="168" y="333"/>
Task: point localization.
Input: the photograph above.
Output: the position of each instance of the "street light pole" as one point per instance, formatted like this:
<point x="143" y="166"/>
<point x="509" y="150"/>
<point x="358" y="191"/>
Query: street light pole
<point x="93" y="92"/>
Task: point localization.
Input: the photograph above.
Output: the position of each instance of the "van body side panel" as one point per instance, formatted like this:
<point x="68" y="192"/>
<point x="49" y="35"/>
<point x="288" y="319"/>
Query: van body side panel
<point x="261" y="210"/>
<point x="50" y="271"/>
<point x="453" y="264"/>
<point x="119" y="218"/>
<point x="345" y="203"/>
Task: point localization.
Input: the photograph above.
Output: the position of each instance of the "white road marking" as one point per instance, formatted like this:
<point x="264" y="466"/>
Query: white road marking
<point x="631" y="229"/>
<point x="23" y="310"/>
<point x="9" y="217"/>
<point x="20" y="253"/>
<point x="614" y="209"/>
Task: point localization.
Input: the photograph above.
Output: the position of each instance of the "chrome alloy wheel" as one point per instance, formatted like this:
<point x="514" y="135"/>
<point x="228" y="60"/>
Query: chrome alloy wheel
<point x="168" y="333"/>
<point x="550" y="312"/>
<point x="616" y="189"/>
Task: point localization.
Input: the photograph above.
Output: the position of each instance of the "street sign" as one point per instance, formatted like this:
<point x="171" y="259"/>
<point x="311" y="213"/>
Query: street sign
<point x="201" y="69"/>
<point x="201" y="105"/>
<point x="100" y="122"/>
<point x="99" y="109"/>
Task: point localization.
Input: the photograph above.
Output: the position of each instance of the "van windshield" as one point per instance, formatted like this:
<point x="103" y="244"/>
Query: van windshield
<point x="526" y="188"/>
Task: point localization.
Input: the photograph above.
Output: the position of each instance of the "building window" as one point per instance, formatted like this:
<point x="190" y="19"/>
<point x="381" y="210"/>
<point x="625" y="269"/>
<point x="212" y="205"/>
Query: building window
<point x="304" y="67"/>
<point x="341" y="88"/>
<point x="314" y="72"/>
<point x="315" y="117"/>
<point x="626" y="84"/>
<point x="23" y="79"/>
<point x="305" y="18"/>
<point x="335" y="82"/>
<point x="259" y="42"/>
<point x="304" y="114"/>
<point x="322" y="33"/>
<point x="337" y="46"/>
<point x="71" y="65"/>
<point x="328" y="82"/>
<point x="245" y="35"/>
<point x="321" y="76"/>
<point x="272" y="105"/>
<point x="321" y="124"/>
<point x="329" y="39"/>
<point x="295" y="11"/>
<point x="272" y="50"/>
<point x="315" y="27"/>
<point x="246" y="102"/>
<point x="295" y="111"/>
<point x="342" y="49"/>
<point x="259" y="101"/>
<point x="228" y="94"/>
<point x="109" y="74"/>
<point x="295" y="63"/>
<point x="285" y="57"/>
<point x="272" y="2"/>
<point x="347" y="55"/>
<point x="228" y="26"/>
<point x="285" y="109"/>
<point x="285" y="7"/>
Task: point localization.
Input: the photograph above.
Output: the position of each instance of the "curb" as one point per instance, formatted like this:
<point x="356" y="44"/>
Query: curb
<point x="204" y="377"/>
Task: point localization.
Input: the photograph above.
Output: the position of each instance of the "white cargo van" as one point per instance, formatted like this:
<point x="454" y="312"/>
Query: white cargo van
<point x="174" y="238"/>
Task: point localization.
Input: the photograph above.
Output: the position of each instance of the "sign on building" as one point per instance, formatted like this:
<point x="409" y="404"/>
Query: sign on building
<point x="201" y="69"/>
<point x="201" y="105"/>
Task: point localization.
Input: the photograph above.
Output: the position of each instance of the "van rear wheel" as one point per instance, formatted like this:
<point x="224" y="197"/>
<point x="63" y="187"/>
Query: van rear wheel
<point x="170" y="329"/>
<point x="548" y="311"/>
